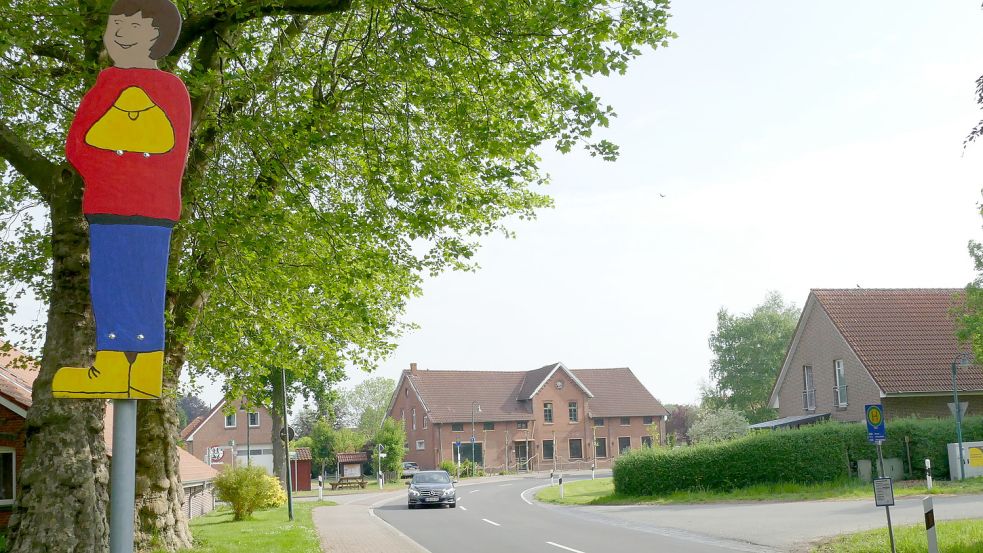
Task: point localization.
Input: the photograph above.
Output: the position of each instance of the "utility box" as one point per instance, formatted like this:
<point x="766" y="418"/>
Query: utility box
<point x="972" y="459"/>
<point x="893" y="468"/>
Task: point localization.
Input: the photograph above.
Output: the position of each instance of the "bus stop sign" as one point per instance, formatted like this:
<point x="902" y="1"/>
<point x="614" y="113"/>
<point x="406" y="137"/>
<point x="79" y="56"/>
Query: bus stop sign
<point x="875" y="423"/>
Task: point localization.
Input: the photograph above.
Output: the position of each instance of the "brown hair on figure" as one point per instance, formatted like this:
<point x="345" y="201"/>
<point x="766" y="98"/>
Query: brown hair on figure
<point x="166" y="19"/>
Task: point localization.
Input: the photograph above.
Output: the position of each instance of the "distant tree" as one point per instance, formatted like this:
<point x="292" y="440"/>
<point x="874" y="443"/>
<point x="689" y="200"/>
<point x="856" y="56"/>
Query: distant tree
<point x="681" y="418"/>
<point x="718" y="425"/>
<point x="326" y="442"/>
<point x="191" y="407"/>
<point x="392" y="436"/>
<point x="748" y="354"/>
<point x="304" y="421"/>
<point x="364" y="406"/>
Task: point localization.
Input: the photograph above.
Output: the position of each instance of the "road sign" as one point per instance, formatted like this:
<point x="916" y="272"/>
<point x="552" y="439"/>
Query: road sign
<point x="285" y="432"/>
<point x="472" y="439"/>
<point x="875" y="423"/>
<point x="883" y="492"/>
<point x="382" y="455"/>
<point x="963" y="407"/>
<point x="458" y="443"/>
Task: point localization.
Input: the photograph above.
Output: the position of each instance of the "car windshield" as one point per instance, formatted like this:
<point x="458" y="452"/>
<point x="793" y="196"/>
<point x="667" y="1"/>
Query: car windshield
<point x="432" y="478"/>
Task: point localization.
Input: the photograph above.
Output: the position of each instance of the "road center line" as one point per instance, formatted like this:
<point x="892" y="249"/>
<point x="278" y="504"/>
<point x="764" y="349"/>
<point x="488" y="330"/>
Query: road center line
<point x="463" y="508"/>
<point x="493" y="523"/>
<point x="474" y="491"/>
<point x="564" y="547"/>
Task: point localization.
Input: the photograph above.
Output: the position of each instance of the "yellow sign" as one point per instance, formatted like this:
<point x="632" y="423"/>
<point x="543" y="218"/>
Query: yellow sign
<point x="976" y="457"/>
<point x="874" y="416"/>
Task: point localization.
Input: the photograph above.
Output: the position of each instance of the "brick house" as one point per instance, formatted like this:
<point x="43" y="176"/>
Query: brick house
<point x="854" y="347"/>
<point x="210" y="437"/>
<point x="17" y="374"/>
<point x="525" y="420"/>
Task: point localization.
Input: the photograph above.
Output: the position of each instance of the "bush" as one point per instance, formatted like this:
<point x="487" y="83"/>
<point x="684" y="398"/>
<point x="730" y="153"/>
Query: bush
<point x="470" y="468"/>
<point x="818" y="453"/>
<point x="449" y="466"/>
<point x="247" y="489"/>
<point x="718" y="425"/>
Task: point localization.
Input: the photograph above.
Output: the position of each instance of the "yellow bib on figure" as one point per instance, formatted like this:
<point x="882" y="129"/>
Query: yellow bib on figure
<point x="134" y="124"/>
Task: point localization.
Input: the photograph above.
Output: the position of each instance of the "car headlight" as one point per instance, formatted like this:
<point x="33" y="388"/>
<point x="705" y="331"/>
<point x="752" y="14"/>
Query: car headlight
<point x="448" y="491"/>
<point x="414" y="492"/>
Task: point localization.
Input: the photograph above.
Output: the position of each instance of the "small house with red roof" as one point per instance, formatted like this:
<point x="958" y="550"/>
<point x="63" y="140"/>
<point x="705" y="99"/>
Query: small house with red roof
<point x="859" y="346"/>
<point x="538" y="419"/>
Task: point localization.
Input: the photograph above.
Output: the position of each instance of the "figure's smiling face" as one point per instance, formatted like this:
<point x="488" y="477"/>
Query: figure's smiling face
<point x="128" y="40"/>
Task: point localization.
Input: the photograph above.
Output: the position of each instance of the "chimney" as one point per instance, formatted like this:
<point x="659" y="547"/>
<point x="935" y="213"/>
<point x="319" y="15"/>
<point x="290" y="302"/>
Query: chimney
<point x="412" y="368"/>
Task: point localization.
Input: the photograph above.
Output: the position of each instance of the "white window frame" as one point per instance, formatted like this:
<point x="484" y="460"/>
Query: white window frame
<point x="621" y="421"/>
<point x="414" y="418"/>
<point x="548" y="407"/>
<point x="808" y="389"/>
<point x="552" y="450"/>
<point x="841" y="389"/>
<point x="249" y="421"/>
<point x="650" y="439"/>
<point x="570" y="449"/>
<point x="13" y="466"/>
<point x="620" y="450"/>
<point x="234" y="421"/>
<point x="424" y="422"/>
<point x="573" y="408"/>
<point x="421" y="445"/>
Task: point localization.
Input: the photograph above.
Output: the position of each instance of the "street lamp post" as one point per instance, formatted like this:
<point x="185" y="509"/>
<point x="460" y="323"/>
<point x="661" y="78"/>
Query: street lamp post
<point x="962" y="361"/>
<point x="248" y="449"/>
<point x="473" y="405"/>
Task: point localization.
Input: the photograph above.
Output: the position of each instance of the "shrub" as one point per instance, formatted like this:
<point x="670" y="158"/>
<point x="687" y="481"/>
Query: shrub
<point x="718" y="425"/>
<point x="449" y="466"/>
<point x="247" y="489"/>
<point x="818" y="453"/>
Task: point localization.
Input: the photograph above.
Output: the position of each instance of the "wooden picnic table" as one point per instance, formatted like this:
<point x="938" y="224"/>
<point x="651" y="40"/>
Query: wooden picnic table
<point x="349" y="482"/>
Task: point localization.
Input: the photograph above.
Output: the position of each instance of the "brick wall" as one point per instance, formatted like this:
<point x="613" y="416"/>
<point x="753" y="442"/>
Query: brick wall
<point x="929" y="406"/>
<point x="213" y="433"/>
<point x="12" y="437"/>
<point x="819" y="346"/>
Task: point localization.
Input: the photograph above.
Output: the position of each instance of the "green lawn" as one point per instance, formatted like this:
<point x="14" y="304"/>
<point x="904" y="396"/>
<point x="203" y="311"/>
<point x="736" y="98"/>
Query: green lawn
<point x="267" y="532"/>
<point x="959" y="536"/>
<point x="601" y="492"/>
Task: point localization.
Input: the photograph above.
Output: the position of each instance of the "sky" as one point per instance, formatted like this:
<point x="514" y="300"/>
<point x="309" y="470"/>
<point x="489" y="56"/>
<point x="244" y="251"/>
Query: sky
<point x="774" y="145"/>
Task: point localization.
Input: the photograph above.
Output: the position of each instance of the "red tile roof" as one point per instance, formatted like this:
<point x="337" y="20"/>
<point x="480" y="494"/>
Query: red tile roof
<point x="302" y="454"/>
<point x="192" y="426"/>
<point x="905" y="337"/>
<point x="357" y="457"/>
<point x="448" y="395"/>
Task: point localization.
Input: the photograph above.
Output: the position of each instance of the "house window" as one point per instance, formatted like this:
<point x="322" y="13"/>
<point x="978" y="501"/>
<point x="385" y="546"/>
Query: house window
<point x="8" y="472"/>
<point x="600" y="447"/>
<point x="598" y="422"/>
<point x="572" y="411"/>
<point x="230" y="421"/>
<point x="253" y="420"/>
<point x="457" y="427"/>
<point x="624" y="443"/>
<point x="522" y="425"/>
<point x="548" y="412"/>
<point x="839" y="391"/>
<point x="808" y="389"/>
<point x="625" y="421"/>
<point x="489" y="426"/>
<point x="406" y="392"/>
<point x="646" y="441"/>
<point x="424" y="422"/>
<point x="402" y="415"/>
<point x="420" y="445"/>
<point x="576" y="448"/>
<point x="413" y="412"/>
<point x="548" y="449"/>
<point x="648" y="420"/>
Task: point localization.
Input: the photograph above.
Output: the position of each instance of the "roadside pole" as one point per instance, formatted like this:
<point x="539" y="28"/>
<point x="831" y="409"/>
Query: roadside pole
<point x="928" y="473"/>
<point x="883" y="486"/>
<point x="286" y="446"/>
<point x="123" y="476"/>
<point x="561" y="486"/>
<point x="933" y="541"/>
<point x="381" y="478"/>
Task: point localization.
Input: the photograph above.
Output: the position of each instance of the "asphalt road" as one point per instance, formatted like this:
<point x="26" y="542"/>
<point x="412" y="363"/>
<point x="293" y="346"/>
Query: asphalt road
<point x="494" y="517"/>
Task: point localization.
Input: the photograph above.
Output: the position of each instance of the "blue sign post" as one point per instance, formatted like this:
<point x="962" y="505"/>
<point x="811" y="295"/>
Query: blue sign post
<point x="876" y="434"/>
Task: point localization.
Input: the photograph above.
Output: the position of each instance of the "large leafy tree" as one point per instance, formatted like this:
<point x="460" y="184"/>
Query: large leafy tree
<point x="364" y="406"/>
<point x="340" y="151"/>
<point x="748" y="354"/>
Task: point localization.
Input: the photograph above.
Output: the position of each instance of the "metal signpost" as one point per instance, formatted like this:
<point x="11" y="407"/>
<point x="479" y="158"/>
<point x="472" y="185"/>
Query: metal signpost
<point x="457" y="444"/>
<point x="883" y="487"/>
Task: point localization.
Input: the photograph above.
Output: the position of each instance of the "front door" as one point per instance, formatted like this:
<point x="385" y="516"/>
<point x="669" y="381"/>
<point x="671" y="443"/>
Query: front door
<point x="522" y="456"/>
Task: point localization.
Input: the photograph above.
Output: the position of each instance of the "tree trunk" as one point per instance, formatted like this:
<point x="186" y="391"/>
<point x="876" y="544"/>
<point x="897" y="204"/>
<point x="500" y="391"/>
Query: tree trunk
<point x="278" y="410"/>
<point x="161" y="522"/>
<point x="63" y="496"/>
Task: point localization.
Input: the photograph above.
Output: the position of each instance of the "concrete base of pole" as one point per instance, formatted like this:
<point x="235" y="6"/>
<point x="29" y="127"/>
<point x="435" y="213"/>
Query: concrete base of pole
<point x="123" y="476"/>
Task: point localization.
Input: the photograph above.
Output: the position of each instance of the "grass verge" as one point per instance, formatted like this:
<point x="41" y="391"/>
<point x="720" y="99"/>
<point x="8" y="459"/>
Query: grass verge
<point x="957" y="536"/>
<point x="601" y="492"/>
<point x="267" y="532"/>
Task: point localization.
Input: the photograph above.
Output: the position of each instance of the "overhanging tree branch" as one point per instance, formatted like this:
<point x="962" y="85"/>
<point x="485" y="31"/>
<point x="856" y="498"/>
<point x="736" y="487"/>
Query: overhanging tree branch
<point x="231" y="13"/>
<point x="36" y="168"/>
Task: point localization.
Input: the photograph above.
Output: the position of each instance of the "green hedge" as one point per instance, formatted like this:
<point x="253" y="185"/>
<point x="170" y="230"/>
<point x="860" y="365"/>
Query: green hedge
<point x="817" y="453"/>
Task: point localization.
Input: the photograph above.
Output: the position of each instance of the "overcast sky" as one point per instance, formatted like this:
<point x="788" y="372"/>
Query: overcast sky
<point x="797" y="145"/>
<point x="774" y="145"/>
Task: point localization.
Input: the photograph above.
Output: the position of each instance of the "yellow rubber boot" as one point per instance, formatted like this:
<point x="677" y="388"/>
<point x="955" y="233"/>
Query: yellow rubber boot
<point x="147" y="375"/>
<point x="107" y="378"/>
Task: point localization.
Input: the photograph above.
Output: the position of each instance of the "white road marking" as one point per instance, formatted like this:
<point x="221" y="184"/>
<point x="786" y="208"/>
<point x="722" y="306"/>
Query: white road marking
<point x="503" y="485"/>
<point x="474" y="491"/>
<point x="464" y="508"/>
<point x="564" y="547"/>
<point x="492" y="522"/>
<point x="524" y="492"/>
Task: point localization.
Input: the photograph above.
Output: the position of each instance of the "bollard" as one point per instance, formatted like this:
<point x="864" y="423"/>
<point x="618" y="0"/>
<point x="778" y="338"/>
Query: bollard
<point x="551" y="479"/>
<point x="320" y="488"/>
<point x="928" y="473"/>
<point x="592" y="467"/>
<point x="561" y="486"/>
<point x="933" y="543"/>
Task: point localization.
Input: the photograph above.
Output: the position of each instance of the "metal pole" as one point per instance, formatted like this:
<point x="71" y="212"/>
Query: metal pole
<point x="593" y="431"/>
<point x="959" y="422"/>
<point x="286" y="445"/>
<point x="122" y="496"/>
<point x="473" y="403"/>
<point x="249" y="459"/>
<point x="554" y="451"/>
<point x="880" y="461"/>
<point x="890" y="529"/>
